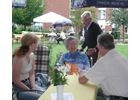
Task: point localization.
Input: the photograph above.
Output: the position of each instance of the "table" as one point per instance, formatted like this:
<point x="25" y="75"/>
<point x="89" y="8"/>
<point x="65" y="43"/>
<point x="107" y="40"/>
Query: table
<point x="20" y="35"/>
<point x="86" y="91"/>
<point x="24" y="32"/>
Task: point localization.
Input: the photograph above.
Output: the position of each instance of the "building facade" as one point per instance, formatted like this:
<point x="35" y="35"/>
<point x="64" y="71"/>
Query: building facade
<point x="103" y="19"/>
<point x="62" y="7"/>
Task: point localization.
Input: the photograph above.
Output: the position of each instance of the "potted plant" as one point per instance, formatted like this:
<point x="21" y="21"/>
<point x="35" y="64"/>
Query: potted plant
<point x="58" y="76"/>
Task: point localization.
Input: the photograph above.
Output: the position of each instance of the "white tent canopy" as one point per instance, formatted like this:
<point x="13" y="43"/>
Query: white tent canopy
<point x="49" y="18"/>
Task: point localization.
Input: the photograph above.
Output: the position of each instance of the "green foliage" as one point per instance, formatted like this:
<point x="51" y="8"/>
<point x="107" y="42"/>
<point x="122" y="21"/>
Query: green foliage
<point x="57" y="30"/>
<point x="58" y="56"/>
<point x="19" y="29"/>
<point x="116" y="35"/>
<point x="58" y="77"/>
<point x="50" y="45"/>
<point x="13" y="30"/>
<point x="118" y="16"/>
<point x="77" y="36"/>
<point x="24" y="16"/>
<point x="29" y="29"/>
<point x="65" y="31"/>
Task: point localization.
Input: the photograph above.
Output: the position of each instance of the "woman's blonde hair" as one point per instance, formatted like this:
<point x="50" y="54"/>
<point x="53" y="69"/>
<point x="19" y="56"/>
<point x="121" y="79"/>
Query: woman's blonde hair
<point x="26" y="40"/>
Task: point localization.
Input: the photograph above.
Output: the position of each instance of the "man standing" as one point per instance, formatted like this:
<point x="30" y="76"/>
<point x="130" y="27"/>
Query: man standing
<point x="111" y="71"/>
<point x="92" y="30"/>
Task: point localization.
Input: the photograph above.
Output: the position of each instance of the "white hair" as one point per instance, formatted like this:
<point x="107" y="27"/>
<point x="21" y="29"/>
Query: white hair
<point x="69" y="39"/>
<point x="87" y="14"/>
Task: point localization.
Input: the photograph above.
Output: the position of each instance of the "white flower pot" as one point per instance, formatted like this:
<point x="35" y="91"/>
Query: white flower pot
<point x="60" y="92"/>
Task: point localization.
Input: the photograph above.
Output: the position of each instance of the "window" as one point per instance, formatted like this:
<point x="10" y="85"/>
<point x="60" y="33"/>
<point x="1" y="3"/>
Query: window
<point x="101" y="14"/>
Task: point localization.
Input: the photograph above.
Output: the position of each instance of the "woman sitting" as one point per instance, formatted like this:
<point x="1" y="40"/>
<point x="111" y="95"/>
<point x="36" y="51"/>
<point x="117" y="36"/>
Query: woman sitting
<point x="23" y="77"/>
<point x="74" y="56"/>
<point x="52" y="36"/>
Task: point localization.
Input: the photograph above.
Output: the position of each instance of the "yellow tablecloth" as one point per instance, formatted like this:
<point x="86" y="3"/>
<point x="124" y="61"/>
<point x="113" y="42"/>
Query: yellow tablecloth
<point x="87" y="91"/>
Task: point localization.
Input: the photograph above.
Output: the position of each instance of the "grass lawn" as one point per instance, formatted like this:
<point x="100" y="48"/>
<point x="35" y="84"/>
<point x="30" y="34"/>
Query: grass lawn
<point x="121" y="48"/>
<point x="61" y="48"/>
<point x="14" y="45"/>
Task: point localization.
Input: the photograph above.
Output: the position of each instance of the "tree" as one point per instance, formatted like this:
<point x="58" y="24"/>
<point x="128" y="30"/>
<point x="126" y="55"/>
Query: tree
<point x="24" y="16"/>
<point x="76" y="16"/>
<point x="119" y="16"/>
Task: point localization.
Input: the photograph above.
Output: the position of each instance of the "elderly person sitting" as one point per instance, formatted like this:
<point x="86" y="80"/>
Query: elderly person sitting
<point x="74" y="56"/>
<point x="110" y="71"/>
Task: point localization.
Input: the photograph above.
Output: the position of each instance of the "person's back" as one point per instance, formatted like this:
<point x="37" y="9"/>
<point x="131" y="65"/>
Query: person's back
<point x="26" y="67"/>
<point x="114" y="79"/>
<point x="110" y="71"/>
<point x="62" y="35"/>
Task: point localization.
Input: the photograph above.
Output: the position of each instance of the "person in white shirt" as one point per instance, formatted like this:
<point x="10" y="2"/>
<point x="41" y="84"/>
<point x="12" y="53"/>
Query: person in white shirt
<point x="71" y="31"/>
<point x="62" y="37"/>
<point x="110" y="71"/>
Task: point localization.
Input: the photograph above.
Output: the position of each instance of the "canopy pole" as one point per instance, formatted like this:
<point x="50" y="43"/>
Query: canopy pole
<point x="40" y="27"/>
<point x="33" y="26"/>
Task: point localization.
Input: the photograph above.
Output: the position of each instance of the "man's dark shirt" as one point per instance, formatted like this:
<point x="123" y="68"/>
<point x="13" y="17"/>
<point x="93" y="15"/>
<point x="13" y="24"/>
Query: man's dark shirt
<point x="91" y="35"/>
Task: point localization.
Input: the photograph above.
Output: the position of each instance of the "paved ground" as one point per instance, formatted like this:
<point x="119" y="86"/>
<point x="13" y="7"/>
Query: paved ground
<point x="120" y="43"/>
